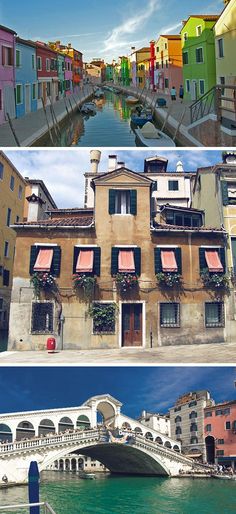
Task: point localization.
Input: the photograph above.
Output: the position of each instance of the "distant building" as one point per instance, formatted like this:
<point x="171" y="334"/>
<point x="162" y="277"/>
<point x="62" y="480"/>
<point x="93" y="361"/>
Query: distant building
<point x="169" y="64"/>
<point x="159" y="422"/>
<point x="47" y="74"/>
<point x="7" y="73"/>
<point x="220" y="433"/>
<point x="38" y="200"/>
<point x="75" y="462"/>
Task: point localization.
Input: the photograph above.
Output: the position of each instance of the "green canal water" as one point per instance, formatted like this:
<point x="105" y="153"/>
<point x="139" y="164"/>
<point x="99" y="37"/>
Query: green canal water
<point x="67" y="494"/>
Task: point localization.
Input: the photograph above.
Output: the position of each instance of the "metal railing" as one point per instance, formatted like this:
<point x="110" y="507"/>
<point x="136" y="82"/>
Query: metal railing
<point x="218" y="100"/>
<point x="47" y="509"/>
<point x="203" y="106"/>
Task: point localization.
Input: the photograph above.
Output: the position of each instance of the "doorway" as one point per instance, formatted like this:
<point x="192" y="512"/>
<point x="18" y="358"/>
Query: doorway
<point x="210" y="449"/>
<point x="131" y="322"/>
<point x="193" y="90"/>
<point x="27" y="98"/>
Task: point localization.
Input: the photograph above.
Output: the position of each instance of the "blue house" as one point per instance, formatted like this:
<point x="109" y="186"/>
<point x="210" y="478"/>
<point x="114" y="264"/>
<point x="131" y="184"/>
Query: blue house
<point x="26" y="77"/>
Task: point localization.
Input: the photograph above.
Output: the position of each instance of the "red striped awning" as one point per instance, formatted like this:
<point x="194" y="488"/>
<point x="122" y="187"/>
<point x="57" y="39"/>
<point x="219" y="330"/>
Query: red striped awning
<point x="85" y="261"/>
<point x="44" y="260"/>
<point x="213" y="261"/>
<point x="126" y="261"/>
<point x="168" y="260"/>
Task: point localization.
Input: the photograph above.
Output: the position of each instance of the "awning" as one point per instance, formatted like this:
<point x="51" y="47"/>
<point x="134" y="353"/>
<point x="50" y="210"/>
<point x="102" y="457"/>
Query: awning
<point x="44" y="260"/>
<point x="85" y="261"/>
<point x="126" y="261"/>
<point x="168" y="260"/>
<point x="213" y="261"/>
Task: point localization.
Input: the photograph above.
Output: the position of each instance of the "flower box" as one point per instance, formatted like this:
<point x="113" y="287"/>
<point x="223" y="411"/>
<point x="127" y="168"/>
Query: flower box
<point x="169" y="279"/>
<point x="126" y="282"/>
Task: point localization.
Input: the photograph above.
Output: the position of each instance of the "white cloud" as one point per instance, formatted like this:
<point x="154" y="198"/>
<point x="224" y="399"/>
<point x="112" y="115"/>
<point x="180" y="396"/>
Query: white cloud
<point x="167" y="30"/>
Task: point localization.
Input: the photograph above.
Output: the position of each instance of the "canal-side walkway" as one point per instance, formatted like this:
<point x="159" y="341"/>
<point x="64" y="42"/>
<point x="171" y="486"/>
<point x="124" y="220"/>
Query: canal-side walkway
<point x="184" y="354"/>
<point x="30" y="128"/>
<point x="176" y="115"/>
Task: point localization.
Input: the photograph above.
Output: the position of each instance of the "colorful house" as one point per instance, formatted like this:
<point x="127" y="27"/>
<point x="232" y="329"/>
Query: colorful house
<point x="7" y="73"/>
<point x="198" y="47"/>
<point x="220" y="433"/>
<point x="169" y="65"/>
<point x="125" y="71"/>
<point x="109" y="72"/>
<point x="139" y="67"/>
<point x="26" y="77"/>
<point x="68" y="75"/>
<point x="47" y="73"/>
<point x="77" y="64"/>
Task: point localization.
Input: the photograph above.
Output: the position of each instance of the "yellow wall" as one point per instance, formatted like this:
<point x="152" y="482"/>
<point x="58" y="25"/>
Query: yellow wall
<point x="225" y="28"/>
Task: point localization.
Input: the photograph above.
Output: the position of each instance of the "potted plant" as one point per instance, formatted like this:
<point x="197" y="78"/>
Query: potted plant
<point x="126" y="281"/>
<point x="169" y="279"/>
<point x="214" y="280"/>
<point x="85" y="283"/>
<point x="104" y="316"/>
<point x="43" y="281"/>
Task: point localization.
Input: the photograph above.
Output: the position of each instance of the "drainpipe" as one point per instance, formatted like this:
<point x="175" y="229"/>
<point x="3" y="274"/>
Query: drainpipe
<point x="62" y="321"/>
<point x="152" y="62"/>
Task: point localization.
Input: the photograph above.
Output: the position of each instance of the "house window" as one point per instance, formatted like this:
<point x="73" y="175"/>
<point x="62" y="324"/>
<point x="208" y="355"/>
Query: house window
<point x="199" y="55"/>
<point x="7" y="56"/>
<point x="122" y="201"/>
<point x="45" y="258"/>
<point x="193" y="415"/>
<point x="178" y="430"/>
<point x="166" y="83"/>
<point x="20" y="192"/>
<point x="208" y="414"/>
<point x="100" y="323"/>
<point x="214" y="314"/>
<point x="0" y="100"/>
<point x="168" y="260"/>
<point x="227" y="425"/>
<point x="1" y="171"/>
<point x="193" y="403"/>
<point x="220" y="43"/>
<point x="39" y="90"/>
<point x="173" y="185"/>
<point x="219" y="453"/>
<point x="185" y="57"/>
<point x="34" y="91"/>
<point x="185" y="36"/>
<point x="18" y="58"/>
<point x="167" y="65"/>
<point x="8" y="217"/>
<point x="48" y="64"/>
<point x="212" y="259"/>
<point x="12" y="183"/>
<point x="6" y="249"/>
<point x="208" y="428"/>
<point x="178" y="419"/>
<point x="226" y="412"/>
<point x="193" y="427"/>
<point x="19" y="95"/>
<point x="48" y="88"/>
<point x="202" y="87"/>
<point x="87" y="260"/>
<point x="218" y="412"/>
<point x="6" y="277"/>
<point x="169" y="315"/>
<point x="125" y="260"/>
<point x="17" y="219"/>
<point x="39" y="63"/>
<point x="42" y="318"/>
<point x="222" y="83"/>
<point x="199" y="30"/>
<point x="187" y="86"/>
<point x="33" y="61"/>
<point x="177" y="409"/>
<point x="221" y="441"/>
<point x="193" y="440"/>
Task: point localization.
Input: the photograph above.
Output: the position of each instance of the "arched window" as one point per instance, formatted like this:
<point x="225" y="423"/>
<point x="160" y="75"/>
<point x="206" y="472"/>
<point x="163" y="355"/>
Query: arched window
<point x="193" y="440"/>
<point x="46" y="426"/>
<point x="138" y="430"/>
<point x="167" y="444"/>
<point x="193" y="427"/>
<point x="83" y="422"/>
<point x="176" y="448"/>
<point x="178" y="419"/>
<point x="65" y="424"/>
<point x="159" y="440"/>
<point x="5" y="433"/>
<point x="126" y="426"/>
<point x="25" y="430"/>
<point x="193" y="414"/>
<point x="149" y="436"/>
<point x="178" y="430"/>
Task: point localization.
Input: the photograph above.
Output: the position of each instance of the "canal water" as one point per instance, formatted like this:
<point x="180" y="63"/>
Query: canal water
<point x="110" y="126"/>
<point x="67" y="494"/>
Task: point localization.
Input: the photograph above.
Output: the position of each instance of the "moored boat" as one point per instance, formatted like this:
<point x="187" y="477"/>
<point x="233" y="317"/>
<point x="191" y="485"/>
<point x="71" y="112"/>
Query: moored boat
<point x="88" y="108"/>
<point x="224" y="477"/>
<point x="99" y="93"/>
<point x="132" y="100"/>
<point x="140" y="117"/>
<point x="87" y="476"/>
<point x="149" y="135"/>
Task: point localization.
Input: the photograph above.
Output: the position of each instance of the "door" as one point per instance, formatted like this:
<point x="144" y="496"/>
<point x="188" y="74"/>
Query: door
<point x="9" y="101"/>
<point x="193" y="90"/>
<point x="131" y="324"/>
<point x="27" y="98"/>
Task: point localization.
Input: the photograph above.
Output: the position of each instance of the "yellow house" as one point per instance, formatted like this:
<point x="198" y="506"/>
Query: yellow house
<point x="12" y="194"/>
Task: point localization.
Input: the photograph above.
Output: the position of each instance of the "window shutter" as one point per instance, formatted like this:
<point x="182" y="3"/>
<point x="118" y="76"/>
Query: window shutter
<point x="224" y="192"/>
<point x="75" y="258"/>
<point x="56" y="261"/>
<point x="202" y="259"/>
<point x="114" y="261"/>
<point x="97" y="261"/>
<point x="137" y="260"/>
<point x="33" y="256"/>
<point x="6" y="277"/>
<point x="157" y="260"/>
<point x="222" y="257"/>
<point x="154" y="186"/>
<point x="178" y="256"/>
<point x="3" y="55"/>
<point x="112" y="195"/>
<point x="133" y="202"/>
<point x="11" y="57"/>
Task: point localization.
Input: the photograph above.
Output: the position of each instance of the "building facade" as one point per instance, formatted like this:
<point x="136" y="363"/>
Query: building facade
<point x="7" y="73"/>
<point x="38" y="201"/>
<point x="26" y="77"/>
<point x="77" y="463"/>
<point x="158" y="422"/>
<point x="47" y="74"/>
<point x="169" y="64"/>
<point x="220" y="433"/>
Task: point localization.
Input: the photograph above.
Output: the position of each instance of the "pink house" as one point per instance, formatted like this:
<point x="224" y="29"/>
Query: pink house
<point x="220" y="433"/>
<point x="68" y="75"/>
<point x="7" y="73"/>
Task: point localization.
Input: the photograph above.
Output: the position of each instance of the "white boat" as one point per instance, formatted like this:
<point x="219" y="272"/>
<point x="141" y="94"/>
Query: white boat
<point x="224" y="477"/>
<point x="88" y="107"/>
<point x="87" y="476"/>
<point x="132" y="100"/>
<point x="149" y="135"/>
<point x="98" y="93"/>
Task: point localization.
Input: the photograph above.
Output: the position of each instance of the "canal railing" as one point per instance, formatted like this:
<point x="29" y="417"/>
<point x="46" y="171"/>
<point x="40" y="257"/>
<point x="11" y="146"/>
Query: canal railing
<point x="46" y="508"/>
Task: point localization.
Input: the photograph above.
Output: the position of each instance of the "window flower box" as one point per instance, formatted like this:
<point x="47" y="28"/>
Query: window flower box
<point x="169" y="280"/>
<point x="104" y="317"/>
<point x="126" y="282"/>
<point x="214" y="280"/>
<point x="43" y="282"/>
<point x="84" y="283"/>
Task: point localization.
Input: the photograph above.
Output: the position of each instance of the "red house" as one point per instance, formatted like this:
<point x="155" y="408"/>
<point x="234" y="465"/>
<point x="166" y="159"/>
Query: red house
<point x="220" y="433"/>
<point x="47" y="73"/>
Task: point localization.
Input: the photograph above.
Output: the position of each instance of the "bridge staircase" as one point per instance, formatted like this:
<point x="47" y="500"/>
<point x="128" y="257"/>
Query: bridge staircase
<point x="219" y="101"/>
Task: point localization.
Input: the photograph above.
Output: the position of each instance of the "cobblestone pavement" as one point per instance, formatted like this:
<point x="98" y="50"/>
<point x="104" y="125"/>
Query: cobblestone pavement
<point x="196" y="354"/>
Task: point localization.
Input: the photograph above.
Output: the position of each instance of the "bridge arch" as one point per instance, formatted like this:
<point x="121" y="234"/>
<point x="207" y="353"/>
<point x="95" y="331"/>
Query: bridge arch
<point x="64" y="424"/>
<point x="167" y="444"/>
<point x="25" y="430"/>
<point x="126" y="426"/>
<point x="46" y="426"/>
<point x="149" y="436"/>
<point x="138" y="430"/>
<point x="5" y="433"/>
<point x="107" y="411"/>
<point x="83" y="422"/>
<point x="159" y="440"/>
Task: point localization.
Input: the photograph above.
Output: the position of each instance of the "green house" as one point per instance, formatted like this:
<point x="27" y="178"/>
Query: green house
<point x="198" y="46"/>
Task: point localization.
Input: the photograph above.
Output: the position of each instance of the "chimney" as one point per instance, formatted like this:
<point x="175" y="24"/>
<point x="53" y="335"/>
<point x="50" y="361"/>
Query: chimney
<point x="112" y="162"/>
<point x="69" y="45"/>
<point x="95" y="156"/>
<point x="121" y="164"/>
<point x="179" y="167"/>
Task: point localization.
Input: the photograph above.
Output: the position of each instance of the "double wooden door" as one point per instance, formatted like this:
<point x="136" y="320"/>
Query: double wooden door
<point x="131" y="324"/>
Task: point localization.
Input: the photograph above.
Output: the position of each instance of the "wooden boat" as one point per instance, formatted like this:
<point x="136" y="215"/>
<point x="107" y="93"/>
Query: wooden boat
<point x="224" y="477"/>
<point x="151" y="136"/>
<point x="131" y="100"/>
<point x="140" y="117"/>
<point x="99" y="93"/>
<point x="88" y="108"/>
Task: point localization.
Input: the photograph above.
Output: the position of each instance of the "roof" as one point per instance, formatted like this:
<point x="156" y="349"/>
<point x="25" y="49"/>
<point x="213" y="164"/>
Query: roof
<point x="2" y="27"/>
<point x="164" y="227"/>
<point x="205" y="17"/>
<point x="41" y="183"/>
<point x="27" y="42"/>
<point x="171" y="36"/>
<point x="144" y="49"/>
<point x="72" y="209"/>
<point x="2" y="154"/>
<point x="77" y="222"/>
<point x="222" y="404"/>
<point x="179" y="208"/>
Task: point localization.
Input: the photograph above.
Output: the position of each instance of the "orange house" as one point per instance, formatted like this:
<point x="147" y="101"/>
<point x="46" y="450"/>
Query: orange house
<point x="169" y="63"/>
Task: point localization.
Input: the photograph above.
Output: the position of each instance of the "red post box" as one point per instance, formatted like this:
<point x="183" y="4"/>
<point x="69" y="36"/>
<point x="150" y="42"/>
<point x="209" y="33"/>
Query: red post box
<point x="51" y="344"/>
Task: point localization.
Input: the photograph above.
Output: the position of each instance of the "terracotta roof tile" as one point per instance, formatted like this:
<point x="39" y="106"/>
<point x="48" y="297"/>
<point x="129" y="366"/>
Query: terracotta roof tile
<point x="162" y="226"/>
<point x="83" y="221"/>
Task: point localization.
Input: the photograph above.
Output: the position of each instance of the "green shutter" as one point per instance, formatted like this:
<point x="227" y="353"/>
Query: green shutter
<point x="178" y="256"/>
<point x="56" y="261"/>
<point x="114" y="261"/>
<point x="233" y="244"/>
<point x="202" y="259"/>
<point x="224" y="192"/>
<point x="133" y="202"/>
<point x="154" y="185"/>
<point x="112" y="196"/>
<point x="97" y="261"/>
<point x="157" y="260"/>
<point x="33" y="256"/>
<point x="137" y="260"/>
<point x="222" y="257"/>
<point x="75" y="258"/>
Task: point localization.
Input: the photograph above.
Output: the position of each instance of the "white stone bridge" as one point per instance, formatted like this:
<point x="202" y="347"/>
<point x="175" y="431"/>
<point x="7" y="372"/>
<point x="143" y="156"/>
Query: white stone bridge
<point x="122" y="444"/>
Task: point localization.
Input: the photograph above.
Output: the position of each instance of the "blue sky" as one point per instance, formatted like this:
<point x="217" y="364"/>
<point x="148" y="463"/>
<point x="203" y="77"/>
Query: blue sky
<point x="150" y="388"/>
<point x="100" y="28"/>
<point x="63" y="170"/>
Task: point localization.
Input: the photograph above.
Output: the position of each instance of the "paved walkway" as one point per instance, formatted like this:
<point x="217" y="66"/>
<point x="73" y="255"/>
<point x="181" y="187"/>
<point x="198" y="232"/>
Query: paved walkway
<point x="33" y="126"/>
<point x="187" y="354"/>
